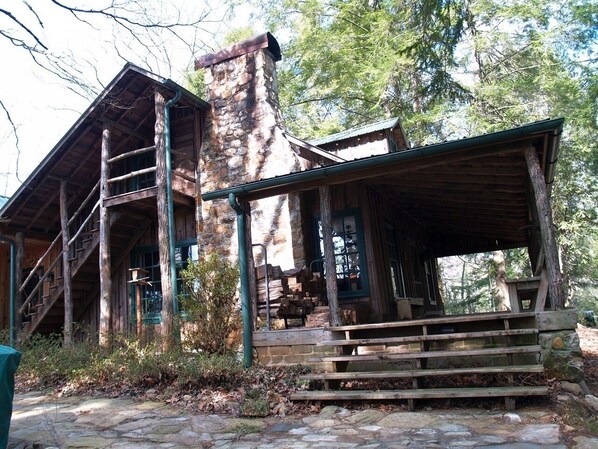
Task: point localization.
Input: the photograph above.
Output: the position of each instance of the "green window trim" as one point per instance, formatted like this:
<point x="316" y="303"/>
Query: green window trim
<point x="152" y="296"/>
<point x="350" y="256"/>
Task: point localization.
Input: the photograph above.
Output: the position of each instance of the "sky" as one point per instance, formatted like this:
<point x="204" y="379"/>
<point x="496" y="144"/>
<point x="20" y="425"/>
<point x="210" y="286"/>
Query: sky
<point x="43" y="106"/>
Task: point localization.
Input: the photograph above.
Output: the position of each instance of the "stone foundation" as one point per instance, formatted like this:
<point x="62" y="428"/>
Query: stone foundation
<point x="293" y="347"/>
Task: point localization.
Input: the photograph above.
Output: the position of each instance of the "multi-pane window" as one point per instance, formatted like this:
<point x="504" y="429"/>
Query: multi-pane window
<point x="347" y="240"/>
<point x="394" y="260"/>
<point x="149" y="259"/>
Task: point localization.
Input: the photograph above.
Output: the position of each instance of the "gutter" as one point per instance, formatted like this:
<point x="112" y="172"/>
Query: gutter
<point x="244" y="275"/>
<point x="11" y="307"/>
<point x="374" y="162"/>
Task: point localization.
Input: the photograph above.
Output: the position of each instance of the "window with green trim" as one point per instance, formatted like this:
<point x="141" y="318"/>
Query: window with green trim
<point x="148" y="258"/>
<point x="146" y="180"/>
<point x="349" y="253"/>
<point x="394" y="261"/>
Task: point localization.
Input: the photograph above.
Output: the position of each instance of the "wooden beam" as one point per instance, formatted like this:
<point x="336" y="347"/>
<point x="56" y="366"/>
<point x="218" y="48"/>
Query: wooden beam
<point x="163" y="238"/>
<point x="133" y="174"/>
<point x="20" y="244"/>
<point x="131" y="153"/>
<point x="66" y="266"/>
<point x="124" y="129"/>
<point x="329" y="260"/>
<point x="555" y="278"/>
<point x="104" y="259"/>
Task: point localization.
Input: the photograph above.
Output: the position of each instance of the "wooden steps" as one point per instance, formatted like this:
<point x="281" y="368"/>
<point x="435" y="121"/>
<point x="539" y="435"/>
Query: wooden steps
<point x="407" y="374"/>
<point x="485" y="345"/>
<point x="391" y="356"/>
<point x="422" y="338"/>
<point x="421" y="393"/>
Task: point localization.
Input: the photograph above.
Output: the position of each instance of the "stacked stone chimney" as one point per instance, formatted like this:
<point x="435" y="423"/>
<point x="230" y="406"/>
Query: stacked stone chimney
<point x="244" y="142"/>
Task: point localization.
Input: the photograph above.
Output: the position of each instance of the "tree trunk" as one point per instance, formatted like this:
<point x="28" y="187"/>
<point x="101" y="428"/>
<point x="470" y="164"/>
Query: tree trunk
<point x="502" y="290"/>
<point x="555" y="280"/>
<point x="66" y="266"/>
<point x="329" y="261"/>
<point x="168" y="341"/>
<point x="105" y="278"/>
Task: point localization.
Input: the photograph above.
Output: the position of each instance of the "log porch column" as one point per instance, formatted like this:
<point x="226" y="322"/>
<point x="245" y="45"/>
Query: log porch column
<point x="20" y="244"/>
<point x="163" y="238"/>
<point x="555" y="278"/>
<point x="329" y="262"/>
<point x="105" y="278"/>
<point x="66" y="266"/>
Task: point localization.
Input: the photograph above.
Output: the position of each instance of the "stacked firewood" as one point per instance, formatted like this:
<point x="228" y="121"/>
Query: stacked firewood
<point x="293" y="293"/>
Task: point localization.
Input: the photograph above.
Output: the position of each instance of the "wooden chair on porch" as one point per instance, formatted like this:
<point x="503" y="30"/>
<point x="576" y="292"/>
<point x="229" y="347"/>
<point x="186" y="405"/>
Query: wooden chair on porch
<point x="528" y="294"/>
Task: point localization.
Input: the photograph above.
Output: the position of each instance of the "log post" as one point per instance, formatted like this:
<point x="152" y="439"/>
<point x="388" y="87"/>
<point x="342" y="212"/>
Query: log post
<point x="66" y="266"/>
<point x="329" y="260"/>
<point x="555" y="279"/>
<point x="105" y="278"/>
<point x="20" y="243"/>
<point x="163" y="238"/>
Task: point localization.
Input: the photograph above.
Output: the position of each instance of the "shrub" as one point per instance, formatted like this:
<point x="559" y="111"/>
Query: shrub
<point x="210" y="303"/>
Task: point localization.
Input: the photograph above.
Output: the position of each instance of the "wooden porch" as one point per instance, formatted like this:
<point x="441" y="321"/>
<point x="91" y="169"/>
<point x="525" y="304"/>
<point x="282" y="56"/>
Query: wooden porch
<point x="470" y="356"/>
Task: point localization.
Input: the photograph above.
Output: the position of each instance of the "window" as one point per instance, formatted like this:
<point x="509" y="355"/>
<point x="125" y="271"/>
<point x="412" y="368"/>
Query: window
<point x="394" y="261"/>
<point x="349" y="254"/>
<point x="143" y="181"/>
<point x="149" y="259"/>
<point x="430" y="284"/>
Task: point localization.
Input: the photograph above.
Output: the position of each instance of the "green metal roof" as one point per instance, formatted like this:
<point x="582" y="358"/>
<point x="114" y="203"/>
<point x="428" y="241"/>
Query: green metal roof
<point x="354" y="132"/>
<point x="261" y="187"/>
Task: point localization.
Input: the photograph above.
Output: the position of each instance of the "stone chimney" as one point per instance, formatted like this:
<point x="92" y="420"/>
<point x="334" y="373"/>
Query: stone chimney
<point x="244" y="142"/>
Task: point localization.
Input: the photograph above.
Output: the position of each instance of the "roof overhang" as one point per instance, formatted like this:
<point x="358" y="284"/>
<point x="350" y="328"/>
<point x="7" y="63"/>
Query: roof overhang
<point x="471" y="195"/>
<point x="125" y="102"/>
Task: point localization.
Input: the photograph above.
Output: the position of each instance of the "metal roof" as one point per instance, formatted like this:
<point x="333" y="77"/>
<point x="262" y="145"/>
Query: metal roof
<point x="391" y="123"/>
<point x="3" y="200"/>
<point x="371" y="163"/>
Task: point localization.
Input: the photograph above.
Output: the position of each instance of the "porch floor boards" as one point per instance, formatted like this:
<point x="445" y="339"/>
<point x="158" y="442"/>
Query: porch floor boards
<point x="493" y="344"/>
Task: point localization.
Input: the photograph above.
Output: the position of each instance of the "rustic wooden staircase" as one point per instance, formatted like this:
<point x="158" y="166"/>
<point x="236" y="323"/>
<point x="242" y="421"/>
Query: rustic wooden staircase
<point x="47" y="315"/>
<point x="418" y="358"/>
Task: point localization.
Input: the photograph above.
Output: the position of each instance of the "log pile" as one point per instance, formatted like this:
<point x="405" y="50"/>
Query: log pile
<point x="293" y="293"/>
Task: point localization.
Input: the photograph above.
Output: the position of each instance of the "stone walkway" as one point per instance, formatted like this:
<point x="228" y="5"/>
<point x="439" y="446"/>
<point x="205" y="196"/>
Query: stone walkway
<point x="116" y="423"/>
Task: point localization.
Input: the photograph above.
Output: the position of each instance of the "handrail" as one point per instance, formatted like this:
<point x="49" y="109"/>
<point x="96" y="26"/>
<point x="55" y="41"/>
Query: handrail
<point x="84" y="203"/>
<point x="43" y="278"/>
<point x="131" y="153"/>
<point x="89" y="217"/>
<point x="39" y="262"/>
<point x="132" y="175"/>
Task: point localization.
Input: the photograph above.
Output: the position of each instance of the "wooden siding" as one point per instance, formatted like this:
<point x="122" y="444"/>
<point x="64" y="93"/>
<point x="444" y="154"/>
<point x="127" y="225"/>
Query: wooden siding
<point x="377" y="211"/>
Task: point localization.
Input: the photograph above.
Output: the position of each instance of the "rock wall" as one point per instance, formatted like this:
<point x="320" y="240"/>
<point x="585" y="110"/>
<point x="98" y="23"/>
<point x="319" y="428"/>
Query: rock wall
<point x="244" y="142"/>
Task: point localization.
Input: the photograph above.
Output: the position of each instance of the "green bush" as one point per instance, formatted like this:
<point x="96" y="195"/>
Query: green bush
<point x="210" y="302"/>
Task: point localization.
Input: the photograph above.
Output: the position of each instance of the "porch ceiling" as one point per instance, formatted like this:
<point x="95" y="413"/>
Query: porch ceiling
<point x="465" y="206"/>
<point x="470" y="195"/>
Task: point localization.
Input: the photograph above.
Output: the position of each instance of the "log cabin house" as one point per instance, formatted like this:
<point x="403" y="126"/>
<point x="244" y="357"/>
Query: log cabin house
<point x="151" y="176"/>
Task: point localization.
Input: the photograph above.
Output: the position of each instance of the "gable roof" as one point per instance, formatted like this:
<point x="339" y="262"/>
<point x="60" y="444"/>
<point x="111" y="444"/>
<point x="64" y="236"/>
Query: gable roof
<point x="390" y="124"/>
<point x="127" y="103"/>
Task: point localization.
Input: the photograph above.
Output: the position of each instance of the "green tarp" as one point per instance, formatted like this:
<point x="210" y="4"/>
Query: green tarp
<point x="9" y="362"/>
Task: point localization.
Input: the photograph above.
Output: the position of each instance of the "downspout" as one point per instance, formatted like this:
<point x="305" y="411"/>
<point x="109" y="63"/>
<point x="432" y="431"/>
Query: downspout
<point x="169" y="200"/>
<point x="245" y="302"/>
<point x="11" y="322"/>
